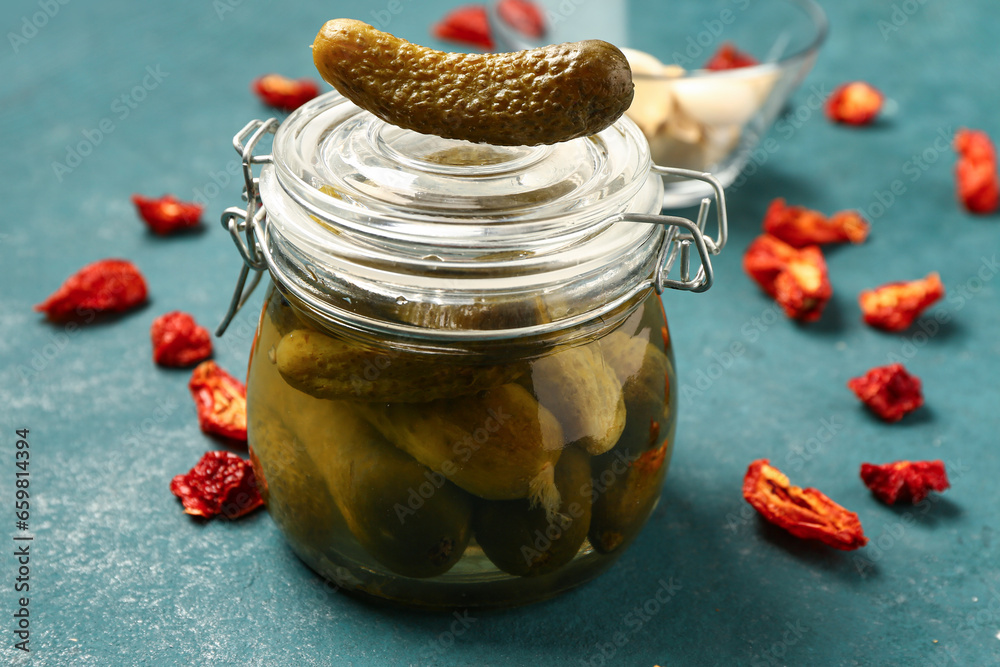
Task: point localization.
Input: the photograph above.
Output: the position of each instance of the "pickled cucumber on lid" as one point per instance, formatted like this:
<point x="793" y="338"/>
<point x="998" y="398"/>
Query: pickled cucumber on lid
<point x="532" y="97"/>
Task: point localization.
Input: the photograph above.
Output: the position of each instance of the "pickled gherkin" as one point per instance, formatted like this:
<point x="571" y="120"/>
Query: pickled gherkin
<point x="327" y="367"/>
<point x="584" y="394"/>
<point x="645" y="374"/>
<point x="282" y="315"/>
<point x="499" y="444"/>
<point x="379" y="490"/>
<point x="626" y="488"/>
<point x="296" y="496"/>
<point x="394" y="495"/>
<point x="522" y="540"/>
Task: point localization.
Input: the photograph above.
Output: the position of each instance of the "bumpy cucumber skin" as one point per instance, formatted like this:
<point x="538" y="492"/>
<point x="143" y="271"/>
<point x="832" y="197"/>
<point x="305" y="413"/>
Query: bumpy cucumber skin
<point x="538" y="96"/>
<point x="331" y="368"/>
<point x="518" y="439"/>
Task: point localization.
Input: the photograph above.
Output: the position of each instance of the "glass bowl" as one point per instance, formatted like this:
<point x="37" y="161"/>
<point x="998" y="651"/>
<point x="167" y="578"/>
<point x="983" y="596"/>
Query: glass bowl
<point x="706" y="120"/>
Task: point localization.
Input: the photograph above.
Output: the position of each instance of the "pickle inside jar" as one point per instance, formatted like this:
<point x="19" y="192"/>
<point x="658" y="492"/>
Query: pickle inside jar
<point x="337" y="368"/>
<point x="524" y="541"/>
<point x="409" y="481"/>
<point x="584" y="394"/>
<point x="499" y="444"/>
<point x="628" y="479"/>
<point x="380" y="492"/>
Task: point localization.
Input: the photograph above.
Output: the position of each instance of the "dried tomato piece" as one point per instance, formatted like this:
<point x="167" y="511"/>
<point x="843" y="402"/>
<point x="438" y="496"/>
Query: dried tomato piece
<point x="466" y="25"/>
<point x="908" y="481"/>
<point x="283" y="93"/>
<point x="854" y="103"/>
<point x="221" y="401"/>
<point x="524" y="16"/>
<point x="799" y="226"/>
<point x="167" y="214"/>
<point x="805" y="513"/>
<point x="729" y="57"/>
<point x="889" y="391"/>
<point x="221" y="483"/>
<point x="106" y="286"/>
<point x="795" y="277"/>
<point x="179" y="341"/>
<point x="976" y="171"/>
<point x="894" y="306"/>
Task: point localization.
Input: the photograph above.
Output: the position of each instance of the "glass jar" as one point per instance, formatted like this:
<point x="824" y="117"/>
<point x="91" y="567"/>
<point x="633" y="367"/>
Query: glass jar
<point x="461" y="391"/>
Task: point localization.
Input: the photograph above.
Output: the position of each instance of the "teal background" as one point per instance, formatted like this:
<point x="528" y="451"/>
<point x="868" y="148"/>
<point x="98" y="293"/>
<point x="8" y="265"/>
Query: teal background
<point x="120" y="576"/>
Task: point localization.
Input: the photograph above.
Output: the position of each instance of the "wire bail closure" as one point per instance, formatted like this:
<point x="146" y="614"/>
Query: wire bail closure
<point x="247" y="225"/>
<point x="682" y="233"/>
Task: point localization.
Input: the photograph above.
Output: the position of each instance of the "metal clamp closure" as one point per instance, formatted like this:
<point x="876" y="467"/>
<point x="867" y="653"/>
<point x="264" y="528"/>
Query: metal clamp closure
<point x="247" y="225"/>
<point x="683" y="233"/>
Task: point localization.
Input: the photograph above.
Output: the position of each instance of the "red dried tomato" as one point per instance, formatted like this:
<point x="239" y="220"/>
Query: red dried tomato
<point x="909" y="481"/>
<point x="806" y="513"/>
<point x="799" y="226"/>
<point x="466" y="25"/>
<point x="976" y="171"/>
<point x="221" y="401"/>
<point x="524" y="16"/>
<point x="283" y="93"/>
<point x="729" y="57"/>
<point x="894" y="306"/>
<point x="889" y="391"/>
<point x="106" y="286"/>
<point x="178" y="340"/>
<point x="167" y="214"/>
<point x="221" y="483"/>
<point x="795" y="277"/>
<point x="854" y="103"/>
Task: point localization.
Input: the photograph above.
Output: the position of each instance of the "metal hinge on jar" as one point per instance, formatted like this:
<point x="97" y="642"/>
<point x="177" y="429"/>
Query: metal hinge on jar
<point x="247" y="225"/>
<point x="682" y="233"/>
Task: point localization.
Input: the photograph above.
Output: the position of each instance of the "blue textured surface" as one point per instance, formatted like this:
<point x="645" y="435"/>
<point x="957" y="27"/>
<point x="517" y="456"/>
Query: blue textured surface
<point x="120" y="576"/>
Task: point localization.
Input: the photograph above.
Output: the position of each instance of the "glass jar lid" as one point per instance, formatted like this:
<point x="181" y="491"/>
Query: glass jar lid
<point x="347" y="164"/>
<point x="384" y="230"/>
